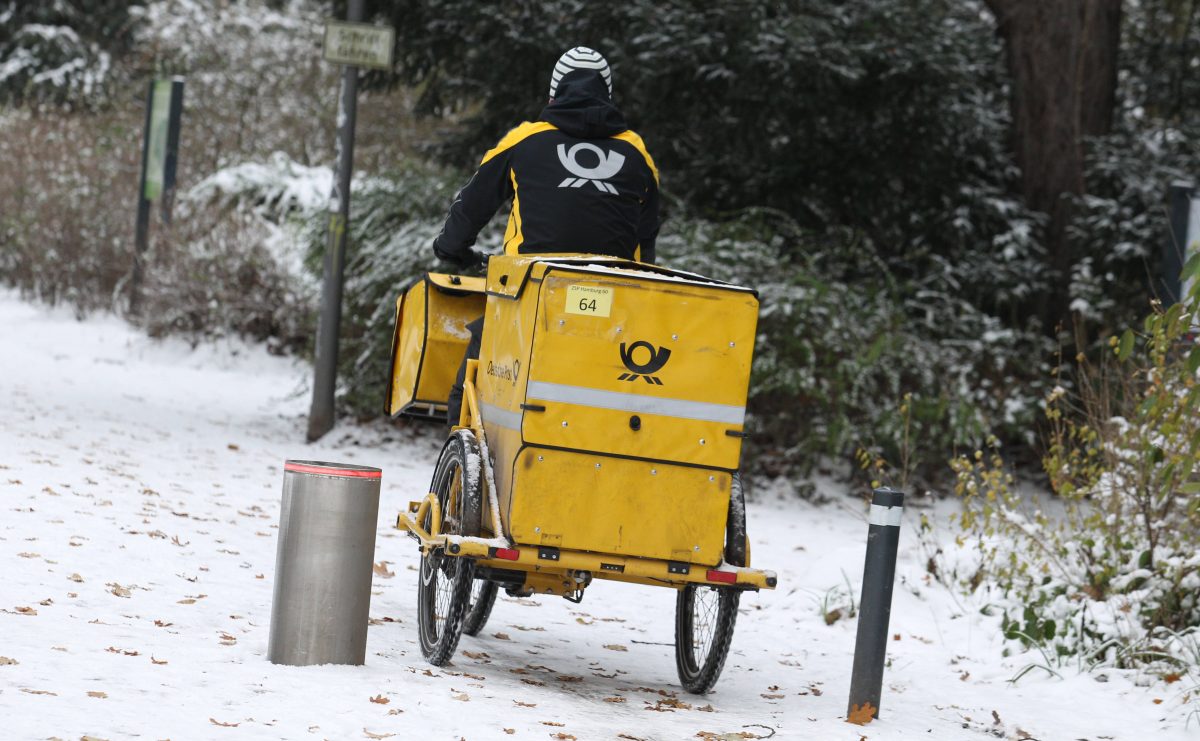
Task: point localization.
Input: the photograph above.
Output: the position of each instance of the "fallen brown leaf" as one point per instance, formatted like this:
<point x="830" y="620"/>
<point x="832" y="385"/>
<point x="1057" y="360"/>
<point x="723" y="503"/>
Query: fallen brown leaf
<point x="187" y="601"/>
<point x="510" y="731"/>
<point x="216" y="722"/>
<point x="95" y="693"/>
<point x="461" y="697"/>
<point x="381" y="569"/>
<point x="525" y="704"/>
<point x="75" y="578"/>
<point x="160" y="662"/>
<point x="615" y="647"/>
<point x="118" y="590"/>
<point x="668" y="705"/>
<point x="25" y="554"/>
<point x="380" y="700"/>
<point x="25" y="611"/>
<point x="614" y="698"/>
<point x="500" y="636"/>
<point x="861" y="715"/>
<point x="39" y="692"/>
<point x="5" y="661"/>
<point x="563" y="736"/>
<point x="553" y="723"/>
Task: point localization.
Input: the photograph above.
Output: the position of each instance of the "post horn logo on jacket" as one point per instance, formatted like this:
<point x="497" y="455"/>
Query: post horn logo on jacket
<point x="610" y="164"/>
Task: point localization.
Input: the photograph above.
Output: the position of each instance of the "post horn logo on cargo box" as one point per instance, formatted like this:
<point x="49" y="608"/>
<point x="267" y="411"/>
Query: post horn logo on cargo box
<point x="658" y="358"/>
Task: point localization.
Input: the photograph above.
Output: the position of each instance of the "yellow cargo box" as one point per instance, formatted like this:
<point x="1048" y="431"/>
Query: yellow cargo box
<point x="430" y="340"/>
<point x="609" y="385"/>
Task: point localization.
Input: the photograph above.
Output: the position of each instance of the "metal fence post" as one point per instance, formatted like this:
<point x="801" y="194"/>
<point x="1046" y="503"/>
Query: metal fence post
<point x="323" y="564"/>
<point x="875" y="607"/>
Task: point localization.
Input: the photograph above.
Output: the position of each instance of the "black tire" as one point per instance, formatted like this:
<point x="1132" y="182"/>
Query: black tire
<point x="705" y="616"/>
<point x="479" y="609"/>
<point x="735" y="524"/>
<point x="444" y="581"/>
<point x="704" y="620"/>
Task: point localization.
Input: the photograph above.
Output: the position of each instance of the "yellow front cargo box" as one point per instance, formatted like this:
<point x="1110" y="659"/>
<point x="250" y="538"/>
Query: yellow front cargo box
<point x="430" y="340"/>
<point x="613" y="400"/>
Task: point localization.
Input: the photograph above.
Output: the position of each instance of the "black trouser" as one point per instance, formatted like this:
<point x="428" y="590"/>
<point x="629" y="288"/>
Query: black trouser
<point x="454" y="403"/>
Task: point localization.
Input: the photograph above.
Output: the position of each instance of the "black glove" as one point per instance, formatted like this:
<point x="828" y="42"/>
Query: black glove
<point x="462" y="261"/>
<point x="473" y="259"/>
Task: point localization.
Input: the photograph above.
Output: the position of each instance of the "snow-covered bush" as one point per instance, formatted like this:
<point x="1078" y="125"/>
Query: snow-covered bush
<point x="1122" y="220"/>
<point x="63" y="52"/>
<point x="255" y="80"/>
<point x="234" y="260"/>
<point x="843" y="338"/>
<point x="1113" y="575"/>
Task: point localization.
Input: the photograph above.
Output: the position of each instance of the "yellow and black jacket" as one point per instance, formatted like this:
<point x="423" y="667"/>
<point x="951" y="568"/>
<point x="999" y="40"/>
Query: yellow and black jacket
<point x="579" y="180"/>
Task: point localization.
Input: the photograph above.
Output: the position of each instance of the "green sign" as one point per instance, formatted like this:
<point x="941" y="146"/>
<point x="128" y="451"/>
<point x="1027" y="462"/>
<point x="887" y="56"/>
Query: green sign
<point x="156" y="148"/>
<point x="359" y="44"/>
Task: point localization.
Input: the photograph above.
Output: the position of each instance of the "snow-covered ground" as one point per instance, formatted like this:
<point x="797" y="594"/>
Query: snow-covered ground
<point x="140" y="487"/>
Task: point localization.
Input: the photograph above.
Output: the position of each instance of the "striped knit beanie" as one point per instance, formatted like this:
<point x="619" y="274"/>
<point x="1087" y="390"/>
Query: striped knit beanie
<point x="580" y="58"/>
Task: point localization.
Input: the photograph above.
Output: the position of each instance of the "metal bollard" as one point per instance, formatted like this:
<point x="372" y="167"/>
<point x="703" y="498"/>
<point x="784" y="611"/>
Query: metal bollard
<point x="875" y="607"/>
<point x="323" y="564"/>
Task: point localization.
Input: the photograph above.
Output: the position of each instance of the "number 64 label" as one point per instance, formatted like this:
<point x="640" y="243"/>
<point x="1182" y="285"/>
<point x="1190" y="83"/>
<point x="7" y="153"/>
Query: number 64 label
<point x="589" y="300"/>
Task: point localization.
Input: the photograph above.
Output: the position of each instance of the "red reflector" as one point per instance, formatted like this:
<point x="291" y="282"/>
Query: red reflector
<point x="508" y="554"/>
<point x="728" y="577"/>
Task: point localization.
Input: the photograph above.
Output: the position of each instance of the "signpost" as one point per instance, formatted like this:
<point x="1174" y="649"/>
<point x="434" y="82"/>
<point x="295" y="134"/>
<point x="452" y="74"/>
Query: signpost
<point x="160" y="154"/>
<point x="352" y="44"/>
<point x="359" y="44"/>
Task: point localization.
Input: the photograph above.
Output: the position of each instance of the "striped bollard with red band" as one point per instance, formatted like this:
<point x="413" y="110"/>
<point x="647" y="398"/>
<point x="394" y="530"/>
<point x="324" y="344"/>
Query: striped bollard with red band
<point x="875" y="607"/>
<point x="323" y="564"/>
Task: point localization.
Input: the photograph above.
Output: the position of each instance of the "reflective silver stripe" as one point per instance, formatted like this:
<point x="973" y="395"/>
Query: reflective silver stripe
<point x="886" y="516"/>
<point x="623" y="402"/>
<point x="500" y="417"/>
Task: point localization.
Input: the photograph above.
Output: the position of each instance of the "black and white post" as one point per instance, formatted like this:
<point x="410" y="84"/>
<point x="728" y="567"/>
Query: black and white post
<point x="875" y="607"/>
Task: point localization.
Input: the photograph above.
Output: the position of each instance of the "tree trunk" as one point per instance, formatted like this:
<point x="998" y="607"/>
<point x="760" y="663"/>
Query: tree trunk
<point x="1062" y="58"/>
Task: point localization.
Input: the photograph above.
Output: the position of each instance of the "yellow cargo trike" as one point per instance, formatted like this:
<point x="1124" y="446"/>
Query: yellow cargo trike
<point x="600" y="436"/>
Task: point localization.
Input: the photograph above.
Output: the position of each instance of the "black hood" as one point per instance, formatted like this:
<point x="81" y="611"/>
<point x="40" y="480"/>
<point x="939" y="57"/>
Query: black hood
<point x="582" y="107"/>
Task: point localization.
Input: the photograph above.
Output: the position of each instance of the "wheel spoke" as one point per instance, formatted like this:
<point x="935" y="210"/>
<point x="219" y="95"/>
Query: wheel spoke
<point x="705" y="605"/>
